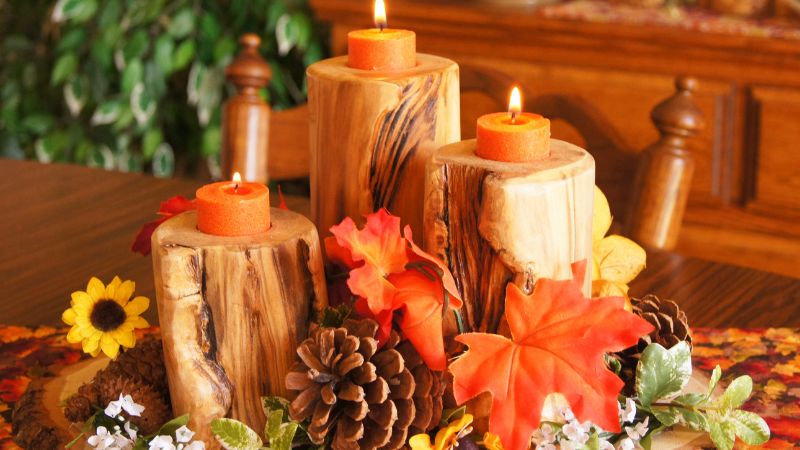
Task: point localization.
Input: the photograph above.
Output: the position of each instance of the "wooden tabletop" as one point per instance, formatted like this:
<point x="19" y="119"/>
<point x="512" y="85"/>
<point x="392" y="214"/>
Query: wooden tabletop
<point x="61" y="225"/>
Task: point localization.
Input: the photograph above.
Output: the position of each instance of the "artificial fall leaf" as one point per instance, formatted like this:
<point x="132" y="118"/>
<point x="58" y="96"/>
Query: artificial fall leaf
<point x="168" y="209"/>
<point x="616" y="260"/>
<point x="395" y="281"/>
<point x="558" y="342"/>
<point x="282" y="203"/>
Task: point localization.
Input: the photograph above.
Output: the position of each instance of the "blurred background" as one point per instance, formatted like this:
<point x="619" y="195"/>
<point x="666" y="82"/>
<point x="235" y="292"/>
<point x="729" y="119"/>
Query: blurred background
<point x="137" y="85"/>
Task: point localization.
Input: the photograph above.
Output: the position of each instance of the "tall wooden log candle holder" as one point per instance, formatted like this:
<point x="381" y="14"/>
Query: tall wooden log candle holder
<point x="510" y="206"/>
<point x="235" y="296"/>
<point x="376" y="116"/>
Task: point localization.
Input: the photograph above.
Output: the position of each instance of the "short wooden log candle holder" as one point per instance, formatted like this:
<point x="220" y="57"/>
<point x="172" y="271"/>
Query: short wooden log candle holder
<point x="372" y="134"/>
<point x="497" y="222"/>
<point x="232" y="311"/>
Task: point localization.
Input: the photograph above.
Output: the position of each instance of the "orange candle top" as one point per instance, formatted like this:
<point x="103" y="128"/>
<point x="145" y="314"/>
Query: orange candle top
<point x="381" y="48"/>
<point x="513" y="136"/>
<point x="233" y="208"/>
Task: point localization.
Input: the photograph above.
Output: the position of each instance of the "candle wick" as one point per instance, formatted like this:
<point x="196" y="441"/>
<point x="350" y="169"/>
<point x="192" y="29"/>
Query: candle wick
<point x="381" y="26"/>
<point x="236" y="188"/>
<point x="513" y="117"/>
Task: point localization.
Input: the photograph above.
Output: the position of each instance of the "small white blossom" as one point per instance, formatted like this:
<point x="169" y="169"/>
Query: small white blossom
<point x="639" y="430"/>
<point x="130" y="406"/>
<point x="546" y="446"/>
<point x="183" y="434"/>
<point x="102" y="439"/>
<point x="113" y="409"/>
<point x="544" y="435"/>
<point x="576" y="433"/>
<point x="567" y="414"/>
<point x="131" y="430"/>
<point x="163" y="442"/>
<point x="626" y="444"/>
<point x="628" y="413"/>
<point x="196" y="445"/>
<point x="605" y="445"/>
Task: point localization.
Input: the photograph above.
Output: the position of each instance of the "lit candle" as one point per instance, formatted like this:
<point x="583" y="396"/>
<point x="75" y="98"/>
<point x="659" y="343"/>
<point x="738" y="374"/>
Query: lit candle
<point x="381" y="48"/>
<point x="514" y="136"/>
<point x="233" y="208"/>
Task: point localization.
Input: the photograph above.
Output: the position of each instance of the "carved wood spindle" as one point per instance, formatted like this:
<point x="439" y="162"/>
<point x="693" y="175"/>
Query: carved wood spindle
<point x="245" y="116"/>
<point x="664" y="175"/>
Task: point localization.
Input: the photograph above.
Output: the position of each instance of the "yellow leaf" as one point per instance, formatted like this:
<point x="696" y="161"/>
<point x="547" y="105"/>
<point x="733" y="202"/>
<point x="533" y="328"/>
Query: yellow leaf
<point x="619" y="258"/>
<point x="601" y="220"/>
<point x="606" y="288"/>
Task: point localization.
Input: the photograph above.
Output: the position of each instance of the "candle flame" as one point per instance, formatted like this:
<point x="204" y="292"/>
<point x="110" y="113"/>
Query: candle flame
<point x="380" y="15"/>
<point x="515" y="103"/>
<point x="237" y="177"/>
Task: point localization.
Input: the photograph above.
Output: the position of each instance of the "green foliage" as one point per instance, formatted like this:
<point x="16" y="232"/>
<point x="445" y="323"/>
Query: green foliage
<point x="280" y="431"/>
<point x="137" y="85"/>
<point x="662" y="374"/>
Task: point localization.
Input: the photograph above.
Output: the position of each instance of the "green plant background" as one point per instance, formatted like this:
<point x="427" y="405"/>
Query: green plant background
<point x="137" y="85"/>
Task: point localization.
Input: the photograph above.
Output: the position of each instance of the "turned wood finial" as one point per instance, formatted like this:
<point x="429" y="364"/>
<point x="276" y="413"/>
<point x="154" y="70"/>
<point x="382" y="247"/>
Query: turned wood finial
<point x="249" y="70"/>
<point x="665" y="171"/>
<point x="245" y="118"/>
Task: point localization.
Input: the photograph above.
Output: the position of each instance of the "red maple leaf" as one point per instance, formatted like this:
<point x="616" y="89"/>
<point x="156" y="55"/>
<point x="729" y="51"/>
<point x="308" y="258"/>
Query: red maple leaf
<point x="168" y="209"/>
<point x="393" y="279"/>
<point x="558" y="341"/>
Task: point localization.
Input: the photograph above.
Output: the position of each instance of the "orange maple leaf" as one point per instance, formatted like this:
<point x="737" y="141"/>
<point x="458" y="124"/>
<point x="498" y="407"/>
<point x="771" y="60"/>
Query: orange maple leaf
<point x="167" y="210"/>
<point x="558" y="341"/>
<point x="394" y="279"/>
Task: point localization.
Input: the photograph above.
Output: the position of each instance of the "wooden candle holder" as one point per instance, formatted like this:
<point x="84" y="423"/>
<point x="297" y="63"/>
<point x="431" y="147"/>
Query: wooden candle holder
<point x="496" y="222"/>
<point x="232" y="311"/>
<point x="372" y="134"/>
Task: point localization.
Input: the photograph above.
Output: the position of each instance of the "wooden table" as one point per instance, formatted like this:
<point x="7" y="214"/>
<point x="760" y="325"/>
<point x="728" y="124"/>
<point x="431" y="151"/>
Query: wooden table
<point x="61" y="225"/>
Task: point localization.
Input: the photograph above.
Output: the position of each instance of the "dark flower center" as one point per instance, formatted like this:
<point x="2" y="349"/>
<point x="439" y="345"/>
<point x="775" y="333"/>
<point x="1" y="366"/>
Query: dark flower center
<point x="107" y="315"/>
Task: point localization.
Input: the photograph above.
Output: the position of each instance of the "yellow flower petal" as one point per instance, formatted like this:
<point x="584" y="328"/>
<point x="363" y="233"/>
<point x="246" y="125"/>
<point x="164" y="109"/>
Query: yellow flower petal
<point x="90" y="345"/>
<point x="420" y="442"/>
<point x="109" y="345"/>
<point x="137" y="306"/>
<point x="95" y="352"/>
<point x="125" y="338"/>
<point x="81" y="302"/>
<point x="74" y="336"/>
<point x="111" y="289"/>
<point x="83" y="321"/>
<point x="620" y="259"/>
<point x="68" y="316"/>
<point x="96" y="289"/>
<point x="492" y="441"/>
<point x="137" y="322"/>
<point x="124" y="292"/>
<point x="601" y="220"/>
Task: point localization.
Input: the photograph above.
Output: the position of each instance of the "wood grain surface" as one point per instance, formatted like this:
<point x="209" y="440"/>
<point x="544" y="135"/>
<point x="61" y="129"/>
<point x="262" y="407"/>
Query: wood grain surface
<point x="232" y="312"/>
<point x="61" y="224"/>
<point x="371" y="134"/>
<point x="496" y="222"/>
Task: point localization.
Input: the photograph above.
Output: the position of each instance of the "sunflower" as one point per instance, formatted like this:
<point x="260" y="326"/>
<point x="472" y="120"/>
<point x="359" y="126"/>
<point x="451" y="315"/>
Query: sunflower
<point x="103" y="318"/>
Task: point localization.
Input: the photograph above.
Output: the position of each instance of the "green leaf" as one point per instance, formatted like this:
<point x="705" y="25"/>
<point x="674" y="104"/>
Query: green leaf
<point x="662" y="373"/>
<point x="171" y="426"/>
<point x="723" y="435"/>
<point x="450" y="415"/>
<point x="211" y="141"/>
<point x="269" y="404"/>
<point x="106" y="113"/>
<point x="716" y="374"/>
<point x="110" y="13"/>
<point x="335" y="317"/>
<point x="103" y="53"/>
<point x="71" y="40"/>
<point x="64" y="67"/>
<point x="162" y="54"/>
<point x="234" y="435"/>
<point x="749" y="427"/>
<point x="693" y="419"/>
<point x="131" y="75"/>
<point x="224" y="50"/>
<point x="136" y="45"/>
<point x="737" y="392"/>
<point x="38" y="123"/>
<point x="163" y="161"/>
<point x="152" y="138"/>
<point x="143" y="106"/>
<point x="182" y="24"/>
<point x="209" y="26"/>
<point x="282" y="440"/>
<point x="76" y="10"/>
<point x="302" y="28"/>
<point x="273" y="425"/>
<point x="183" y="55"/>
<point x="691" y="399"/>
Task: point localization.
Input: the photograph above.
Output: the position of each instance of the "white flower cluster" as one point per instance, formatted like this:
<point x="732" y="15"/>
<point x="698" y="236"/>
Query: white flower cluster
<point x="574" y="435"/>
<point x="117" y="439"/>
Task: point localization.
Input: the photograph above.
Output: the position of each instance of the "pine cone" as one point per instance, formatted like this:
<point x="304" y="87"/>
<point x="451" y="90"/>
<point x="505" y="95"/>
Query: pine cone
<point x="365" y="396"/>
<point x="671" y="327"/>
<point x="428" y="393"/>
<point x="141" y="370"/>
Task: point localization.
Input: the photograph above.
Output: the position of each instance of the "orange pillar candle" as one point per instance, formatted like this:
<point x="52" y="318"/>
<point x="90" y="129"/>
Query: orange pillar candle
<point x="233" y="208"/>
<point x="513" y="136"/>
<point x="381" y="48"/>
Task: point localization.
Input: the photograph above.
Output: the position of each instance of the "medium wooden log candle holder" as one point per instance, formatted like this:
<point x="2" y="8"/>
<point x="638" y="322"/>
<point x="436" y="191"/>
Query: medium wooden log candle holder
<point x="372" y="134"/>
<point x="232" y="310"/>
<point x="496" y="222"/>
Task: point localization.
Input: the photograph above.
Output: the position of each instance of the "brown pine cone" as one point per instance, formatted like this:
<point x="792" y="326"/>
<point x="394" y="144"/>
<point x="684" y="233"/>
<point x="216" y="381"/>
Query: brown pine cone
<point x="139" y="369"/>
<point x="429" y="391"/>
<point x="671" y="327"/>
<point x="365" y="396"/>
